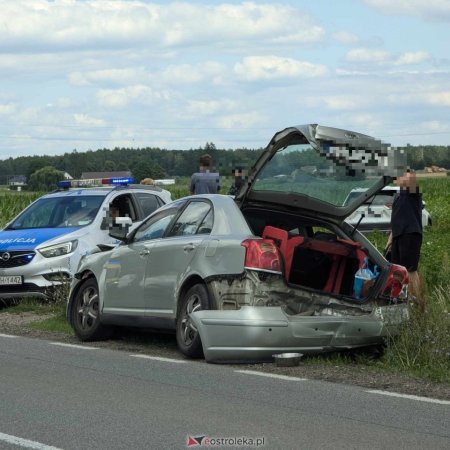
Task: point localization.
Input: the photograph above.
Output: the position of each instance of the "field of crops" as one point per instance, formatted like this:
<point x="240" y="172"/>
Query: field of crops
<point x="12" y="202"/>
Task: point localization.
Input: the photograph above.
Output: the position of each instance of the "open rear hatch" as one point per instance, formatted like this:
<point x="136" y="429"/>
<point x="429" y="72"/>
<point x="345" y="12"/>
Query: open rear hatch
<point x="314" y="168"/>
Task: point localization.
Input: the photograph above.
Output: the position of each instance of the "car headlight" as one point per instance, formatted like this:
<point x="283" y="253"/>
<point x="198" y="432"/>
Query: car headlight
<point x="58" y="249"/>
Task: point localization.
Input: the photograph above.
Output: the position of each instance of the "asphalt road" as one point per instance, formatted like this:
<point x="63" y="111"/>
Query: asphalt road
<point x="69" y="397"/>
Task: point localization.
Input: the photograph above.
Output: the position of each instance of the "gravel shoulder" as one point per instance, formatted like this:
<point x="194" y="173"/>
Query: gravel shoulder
<point x="160" y="344"/>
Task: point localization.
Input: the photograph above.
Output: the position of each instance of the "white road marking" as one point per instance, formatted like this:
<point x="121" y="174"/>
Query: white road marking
<point x="410" y="397"/>
<point x="270" y="375"/>
<point x="160" y="358"/>
<point x="84" y="347"/>
<point x="8" y="335"/>
<point x="14" y="440"/>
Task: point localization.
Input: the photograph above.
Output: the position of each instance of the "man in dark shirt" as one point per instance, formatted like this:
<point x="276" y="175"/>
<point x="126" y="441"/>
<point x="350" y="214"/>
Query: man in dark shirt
<point x="405" y="239"/>
<point x="205" y="181"/>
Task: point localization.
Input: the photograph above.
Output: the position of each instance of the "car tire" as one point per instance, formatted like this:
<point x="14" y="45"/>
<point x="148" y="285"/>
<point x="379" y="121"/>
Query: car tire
<point x="188" y="338"/>
<point x="85" y="313"/>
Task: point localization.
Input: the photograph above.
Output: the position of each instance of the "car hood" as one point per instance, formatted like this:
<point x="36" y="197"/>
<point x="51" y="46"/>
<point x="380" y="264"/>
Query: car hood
<point x="313" y="168"/>
<point x="31" y="238"/>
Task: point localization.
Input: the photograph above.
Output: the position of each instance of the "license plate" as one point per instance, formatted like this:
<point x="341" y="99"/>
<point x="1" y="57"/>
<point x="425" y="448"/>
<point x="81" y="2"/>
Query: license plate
<point x="12" y="279"/>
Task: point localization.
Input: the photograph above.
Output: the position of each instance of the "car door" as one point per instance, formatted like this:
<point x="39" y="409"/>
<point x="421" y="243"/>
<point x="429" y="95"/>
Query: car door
<point x="126" y="268"/>
<point x="169" y="260"/>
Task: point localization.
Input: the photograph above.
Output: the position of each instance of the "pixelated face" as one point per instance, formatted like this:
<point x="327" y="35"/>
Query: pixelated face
<point x="110" y="213"/>
<point x="407" y="181"/>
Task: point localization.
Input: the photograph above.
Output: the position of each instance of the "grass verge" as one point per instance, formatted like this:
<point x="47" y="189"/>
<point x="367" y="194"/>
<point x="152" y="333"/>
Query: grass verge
<point x="54" y="324"/>
<point x="422" y="348"/>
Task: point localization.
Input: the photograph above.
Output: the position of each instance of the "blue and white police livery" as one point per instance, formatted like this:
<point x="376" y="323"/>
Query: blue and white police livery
<point x="43" y="245"/>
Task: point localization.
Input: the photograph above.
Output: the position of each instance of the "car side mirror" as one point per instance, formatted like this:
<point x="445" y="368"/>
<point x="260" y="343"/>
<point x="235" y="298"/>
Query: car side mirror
<point x="120" y="228"/>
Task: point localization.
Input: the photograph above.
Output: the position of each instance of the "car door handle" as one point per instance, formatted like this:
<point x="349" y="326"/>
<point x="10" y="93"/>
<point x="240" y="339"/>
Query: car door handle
<point x="189" y="247"/>
<point x="144" y="253"/>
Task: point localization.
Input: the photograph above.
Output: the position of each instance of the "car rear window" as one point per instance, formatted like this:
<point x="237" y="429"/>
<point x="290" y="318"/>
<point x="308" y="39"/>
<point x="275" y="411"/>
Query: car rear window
<point x="298" y="168"/>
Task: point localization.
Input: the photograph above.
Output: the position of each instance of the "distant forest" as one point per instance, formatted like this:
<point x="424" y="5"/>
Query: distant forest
<point x="161" y="163"/>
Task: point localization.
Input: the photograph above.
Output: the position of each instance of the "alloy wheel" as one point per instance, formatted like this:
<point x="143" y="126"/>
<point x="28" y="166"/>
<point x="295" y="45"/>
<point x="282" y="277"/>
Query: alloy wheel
<point x="188" y="329"/>
<point x="87" y="312"/>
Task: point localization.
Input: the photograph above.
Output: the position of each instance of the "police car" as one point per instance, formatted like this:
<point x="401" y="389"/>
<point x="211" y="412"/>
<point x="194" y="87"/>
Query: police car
<point x="42" y="246"/>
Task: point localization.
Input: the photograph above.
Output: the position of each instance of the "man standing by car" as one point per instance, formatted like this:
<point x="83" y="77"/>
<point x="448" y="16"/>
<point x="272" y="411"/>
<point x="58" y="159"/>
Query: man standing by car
<point x="238" y="181"/>
<point x="205" y="181"/>
<point x="405" y="238"/>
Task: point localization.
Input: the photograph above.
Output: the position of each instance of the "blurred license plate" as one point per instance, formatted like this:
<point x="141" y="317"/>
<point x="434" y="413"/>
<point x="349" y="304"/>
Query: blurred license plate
<point x="16" y="279"/>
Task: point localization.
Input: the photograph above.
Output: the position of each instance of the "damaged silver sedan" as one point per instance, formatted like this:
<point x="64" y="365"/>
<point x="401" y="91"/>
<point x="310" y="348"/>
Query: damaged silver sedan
<point x="274" y="270"/>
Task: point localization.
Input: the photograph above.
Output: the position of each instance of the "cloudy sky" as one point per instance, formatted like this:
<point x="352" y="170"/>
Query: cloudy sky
<point x="91" y="74"/>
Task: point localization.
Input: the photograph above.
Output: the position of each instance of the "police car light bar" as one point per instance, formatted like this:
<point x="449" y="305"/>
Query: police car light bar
<point x="95" y="182"/>
<point x="121" y="181"/>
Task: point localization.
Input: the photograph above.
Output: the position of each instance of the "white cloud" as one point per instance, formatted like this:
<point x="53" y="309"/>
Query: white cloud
<point x="193" y="73"/>
<point x="366" y="55"/>
<point x="412" y="58"/>
<point x="345" y="37"/>
<point x="115" y="76"/>
<point x="69" y="25"/>
<point x="7" y="108"/>
<point x="344" y="102"/>
<point x="255" y="68"/>
<point x="438" y="10"/>
<point x="63" y="102"/>
<point x="417" y="97"/>
<point x="382" y="57"/>
<point x="241" y="120"/>
<point x="366" y="121"/>
<point x="84" y="119"/>
<point x="212" y="71"/>
<point x="435" y="126"/>
<point x="441" y="98"/>
<point x="207" y="107"/>
<point x="119" y="98"/>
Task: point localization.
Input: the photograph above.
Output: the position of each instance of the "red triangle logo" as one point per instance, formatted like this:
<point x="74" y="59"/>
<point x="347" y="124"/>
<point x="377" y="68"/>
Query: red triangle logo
<point x="191" y="442"/>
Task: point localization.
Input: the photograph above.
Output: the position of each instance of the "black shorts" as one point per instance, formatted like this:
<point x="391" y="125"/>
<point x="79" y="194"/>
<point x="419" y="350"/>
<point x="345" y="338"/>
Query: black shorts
<point x="406" y="250"/>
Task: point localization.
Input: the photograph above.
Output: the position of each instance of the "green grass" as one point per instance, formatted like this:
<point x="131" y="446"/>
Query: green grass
<point x="54" y="324"/>
<point x="25" y="305"/>
<point x="423" y="346"/>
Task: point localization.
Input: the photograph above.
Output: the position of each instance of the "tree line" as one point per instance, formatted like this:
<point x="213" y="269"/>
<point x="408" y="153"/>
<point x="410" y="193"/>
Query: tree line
<point x="142" y="162"/>
<point x="162" y="163"/>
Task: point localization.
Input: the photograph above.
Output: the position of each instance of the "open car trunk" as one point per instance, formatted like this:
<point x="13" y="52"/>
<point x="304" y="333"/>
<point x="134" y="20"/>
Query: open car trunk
<point x="318" y="257"/>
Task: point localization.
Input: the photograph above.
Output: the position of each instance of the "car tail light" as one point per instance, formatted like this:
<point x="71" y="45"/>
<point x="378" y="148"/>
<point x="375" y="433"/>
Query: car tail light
<point x="262" y="254"/>
<point x="397" y="282"/>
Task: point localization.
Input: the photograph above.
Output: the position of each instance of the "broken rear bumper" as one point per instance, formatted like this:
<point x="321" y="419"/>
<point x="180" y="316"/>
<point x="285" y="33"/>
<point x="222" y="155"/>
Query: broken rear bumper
<point x="253" y="334"/>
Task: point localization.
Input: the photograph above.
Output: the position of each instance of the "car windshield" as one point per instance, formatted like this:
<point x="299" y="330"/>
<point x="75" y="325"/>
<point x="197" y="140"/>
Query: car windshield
<point x="301" y="169"/>
<point x="59" y="212"/>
